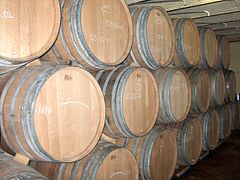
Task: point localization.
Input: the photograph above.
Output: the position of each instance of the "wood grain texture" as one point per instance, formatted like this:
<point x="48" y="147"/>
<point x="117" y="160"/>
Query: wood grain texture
<point x="218" y="87"/>
<point x="224" y="53"/>
<point x="154" y="40"/>
<point x="231" y="85"/>
<point x="156" y="153"/>
<point x="189" y="139"/>
<point x="95" y="34"/>
<point x="132" y="100"/>
<point x="225" y="115"/>
<point x="187" y="51"/>
<point x="28" y="28"/>
<point x="174" y="93"/>
<point x="106" y="161"/>
<point x="201" y="90"/>
<point x="59" y="112"/>
<point x="13" y="170"/>
<point x="211" y="129"/>
<point x="208" y="47"/>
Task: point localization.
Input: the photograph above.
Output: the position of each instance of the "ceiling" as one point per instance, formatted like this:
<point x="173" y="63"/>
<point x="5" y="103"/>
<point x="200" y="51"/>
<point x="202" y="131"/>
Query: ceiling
<point x="221" y="15"/>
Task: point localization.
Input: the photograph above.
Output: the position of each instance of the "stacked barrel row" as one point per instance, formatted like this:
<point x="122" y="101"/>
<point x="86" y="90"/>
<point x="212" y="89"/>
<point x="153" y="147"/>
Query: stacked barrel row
<point x="120" y="94"/>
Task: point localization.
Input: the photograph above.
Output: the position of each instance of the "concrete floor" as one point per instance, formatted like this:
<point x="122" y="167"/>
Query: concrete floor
<point x="222" y="163"/>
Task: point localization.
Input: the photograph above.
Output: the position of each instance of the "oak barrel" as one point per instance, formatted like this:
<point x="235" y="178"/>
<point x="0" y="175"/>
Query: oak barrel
<point x="174" y="93"/>
<point x="95" y="34"/>
<point x="10" y="169"/>
<point x="231" y="85"/>
<point x="208" y="49"/>
<point x="235" y="115"/>
<point x="224" y="53"/>
<point x="106" y="161"/>
<point x="225" y="116"/>
<point x="9" y="66"/>
<point x="132" y="100"/>
<point x="154" y="39"/>
<point x="189" y="139"/>
<point x="156" y="153"/>
<point x="28" y="28"/>
<point x="218" y="87"/>
<point x="52" y="112"/>
<point x="187" y="51"/>
<point x="211" y="126"/>
<point x="201" y="90"/>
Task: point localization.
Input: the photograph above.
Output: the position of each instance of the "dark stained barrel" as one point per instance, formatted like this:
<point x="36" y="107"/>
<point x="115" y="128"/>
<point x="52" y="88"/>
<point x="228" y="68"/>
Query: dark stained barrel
<point x="224" y="53"/>
<point x="106" y="161"/>
<point x="235" y="115"/>
<point x="208" y="46"/>
<point x="201" y="90"/>
<point x="154" y="39"/>
<point x="187" y="51"/>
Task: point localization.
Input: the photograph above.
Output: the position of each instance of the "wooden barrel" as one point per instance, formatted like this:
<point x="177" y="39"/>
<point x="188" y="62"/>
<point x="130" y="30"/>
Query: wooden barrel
<point x="28" y="28"/>
<point x="154" y="39"/>
<point x="106" y="161"/>
<point x="95" y="40"/>
<point x="208" y="47"/>
<point x="8" y="66"/>
<point x="201" y="90"/>
<point x="43" y="105"/>
<point x="218" y="88"/>
<point x="235" y="115"/>
<point x="156" y="153"/>
<point x="224" y="52"/>
<point x="231" y="85"/>
<point x="225" y="115"/>
<point x="10" y="169"/>
<point x="174" y="93"/>
<point x="210" y="126"/>
<point x="187" y="51"/>
<point x="189" y="139"/>
<point x="132" y="101"/>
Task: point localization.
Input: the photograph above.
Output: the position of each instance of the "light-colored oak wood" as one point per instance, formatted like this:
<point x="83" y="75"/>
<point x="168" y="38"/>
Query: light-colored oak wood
<point x="106" y="161"/>
<point x="28" y="28"/>
<point x="211" y="129"/>
<point x="201" y="90"/>
<point x="174" y="93"/>
<point x="225" y="115"/>
<point x="156" y="153"/>
<point x="21" y="159"/>
<point x="231" y="85"/>
<point x="189" y="139"/>
<point x="132" y="101"/>
<point x="218" y="87"/>
<point x="224" y="53"/>
<point x="208" y="47"/>
<point x="58" y="112"/>
<point x="154" y="39"/>
<point x="95" y="34"/>
<point x="11" y="169"/>
<point x="187" y="51"/>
